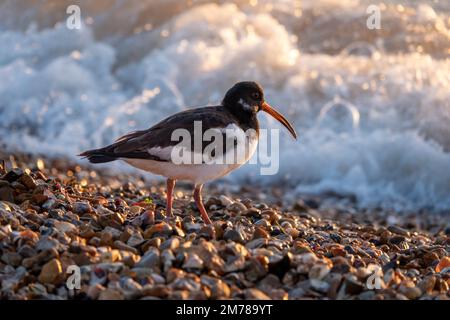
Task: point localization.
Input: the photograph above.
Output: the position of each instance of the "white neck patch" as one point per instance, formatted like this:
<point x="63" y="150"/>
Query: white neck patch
<point x="245" y="105"/>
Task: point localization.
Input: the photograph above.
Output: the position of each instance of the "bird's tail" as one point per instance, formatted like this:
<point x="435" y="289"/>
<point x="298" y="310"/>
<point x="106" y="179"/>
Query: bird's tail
<point x="99" y="155"/>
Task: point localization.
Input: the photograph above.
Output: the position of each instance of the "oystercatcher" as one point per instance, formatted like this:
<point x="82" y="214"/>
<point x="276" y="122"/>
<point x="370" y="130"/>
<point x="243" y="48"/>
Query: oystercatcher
<point x="155" y="149"/>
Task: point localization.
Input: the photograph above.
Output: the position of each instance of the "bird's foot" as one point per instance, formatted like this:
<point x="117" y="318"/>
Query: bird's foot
<point x="172" y="216"/>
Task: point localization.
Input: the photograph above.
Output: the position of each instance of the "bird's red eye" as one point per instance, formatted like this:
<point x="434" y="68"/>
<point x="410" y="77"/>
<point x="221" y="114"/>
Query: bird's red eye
<point x="255" y="95"/>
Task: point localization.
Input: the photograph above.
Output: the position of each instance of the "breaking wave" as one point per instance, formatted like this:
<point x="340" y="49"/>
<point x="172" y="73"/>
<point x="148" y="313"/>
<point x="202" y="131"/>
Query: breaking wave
<point x="372" y="107"/>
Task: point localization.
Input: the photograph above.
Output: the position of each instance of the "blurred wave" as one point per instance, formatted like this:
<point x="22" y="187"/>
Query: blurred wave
<point x="372" y="106"/>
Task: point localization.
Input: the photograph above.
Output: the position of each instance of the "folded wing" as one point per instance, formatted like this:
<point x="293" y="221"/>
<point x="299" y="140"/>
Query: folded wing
<point x="156" y="143"/>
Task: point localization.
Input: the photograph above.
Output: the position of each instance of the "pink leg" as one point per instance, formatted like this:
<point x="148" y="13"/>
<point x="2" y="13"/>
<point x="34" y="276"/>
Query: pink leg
<point x="170" y="186"/>
<point x="198" y="201"/>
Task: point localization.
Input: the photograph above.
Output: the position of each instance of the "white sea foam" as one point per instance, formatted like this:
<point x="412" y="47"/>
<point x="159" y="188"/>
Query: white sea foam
<point x="372" y="108"/>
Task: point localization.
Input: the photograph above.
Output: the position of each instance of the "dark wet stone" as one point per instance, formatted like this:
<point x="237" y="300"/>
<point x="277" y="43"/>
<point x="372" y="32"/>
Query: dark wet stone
<point x="281" y="266"/>
<point x="13" y="175"/>
<point x="81" y="207"/>
<point x="260" y="233"/>
<point x="28" y="181"/>
<point x="7" y="194"/>
<point x="340" y="265"/>
<point x="255" y="269"/>
<point x="171" y="244"/>
<point x="255" y="294"/>
<point x="276" y="231"/>
<point x="252" y="212"/>
<point x="151" y="259"/>
<point x="396" y="239"/>
<point x="208" y="232"/>
<point x="399" y="230"/>
<point x="179" y="259"/>
<point x="4" y="183"/>
<point x="27" y="251"/>
<point x="353" y="286"/>
<point x="296" y="293"/>
<point x="234" y="235"/>
<point x="349" y="249"/>
<point x="12" y="258"/>
<point x="394" y="263"/>
<point x="335" y="237"/>
<point x="47" y="243"/>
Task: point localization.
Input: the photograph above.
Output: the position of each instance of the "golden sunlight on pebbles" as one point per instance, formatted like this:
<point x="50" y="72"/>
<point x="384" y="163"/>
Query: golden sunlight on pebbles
<point x="117" y="233"/>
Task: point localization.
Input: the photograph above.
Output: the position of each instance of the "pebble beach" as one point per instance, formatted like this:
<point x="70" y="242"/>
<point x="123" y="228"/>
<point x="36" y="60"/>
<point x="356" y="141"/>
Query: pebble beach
<point x="57" y="216"/>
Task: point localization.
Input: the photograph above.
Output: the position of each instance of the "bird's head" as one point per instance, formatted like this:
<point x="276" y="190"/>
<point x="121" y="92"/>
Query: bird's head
<point x="247" y="99"/>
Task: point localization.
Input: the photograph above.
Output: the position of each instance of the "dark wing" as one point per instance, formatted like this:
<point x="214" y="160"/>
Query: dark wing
<point x="153" y="143"/>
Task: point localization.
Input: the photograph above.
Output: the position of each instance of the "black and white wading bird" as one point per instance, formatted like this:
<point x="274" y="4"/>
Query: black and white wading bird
<point x="153" y="149"/>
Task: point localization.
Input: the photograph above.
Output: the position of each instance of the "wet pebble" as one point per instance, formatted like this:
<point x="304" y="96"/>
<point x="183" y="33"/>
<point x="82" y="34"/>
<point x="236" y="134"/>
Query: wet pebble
<point x="234" y="235"/>
<point x="255" y="294"/>
<point x="151" y="259"/>
<point x="162" y="229"/>
<point x="225" y="201"/>
<point x="236" y="207"/>
<point x="81" y="207"/>
<point x="51" y="272"/>
<point x="398" y="230"/>
<point x="193" y="262"/>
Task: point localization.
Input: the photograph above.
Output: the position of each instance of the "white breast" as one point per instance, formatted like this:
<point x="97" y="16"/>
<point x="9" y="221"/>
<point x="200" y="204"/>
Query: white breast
<point x="200" y="173"/>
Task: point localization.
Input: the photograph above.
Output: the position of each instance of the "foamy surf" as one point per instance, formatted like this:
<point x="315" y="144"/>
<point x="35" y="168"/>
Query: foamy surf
<point x="372" y="109"/>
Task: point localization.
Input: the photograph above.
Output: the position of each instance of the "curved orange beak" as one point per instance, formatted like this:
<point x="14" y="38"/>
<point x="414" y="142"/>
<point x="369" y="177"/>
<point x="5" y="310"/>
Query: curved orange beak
<point x="274" y="113"/>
